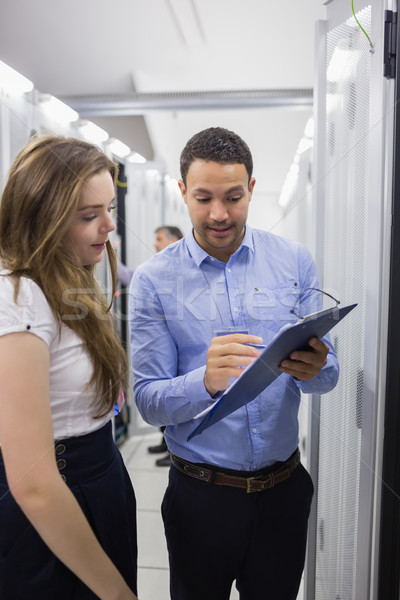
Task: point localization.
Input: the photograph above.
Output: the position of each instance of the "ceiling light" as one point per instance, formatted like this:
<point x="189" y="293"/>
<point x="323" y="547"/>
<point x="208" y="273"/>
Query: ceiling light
<point x="290" y="185"/>
<point x="309" y="128"/>
<point x="57" y="110"/>
<point x="304" y="145"/>
<point x="14" y="81"/>
<point x="119" y="148"/>
<point x="135" y="157"/>
<point x="93" y="133"/>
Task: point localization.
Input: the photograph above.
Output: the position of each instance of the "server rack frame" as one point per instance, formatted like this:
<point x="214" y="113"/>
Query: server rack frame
<point x="373" y="384"/>
<point x="389" y="547"/>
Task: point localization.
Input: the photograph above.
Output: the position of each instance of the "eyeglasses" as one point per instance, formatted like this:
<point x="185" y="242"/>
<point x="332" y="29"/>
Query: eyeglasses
<point x="295" y="311"/>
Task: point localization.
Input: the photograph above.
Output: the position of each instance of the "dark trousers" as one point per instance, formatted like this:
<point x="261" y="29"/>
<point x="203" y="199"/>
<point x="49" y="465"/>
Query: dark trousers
<point x="218" y="534"/>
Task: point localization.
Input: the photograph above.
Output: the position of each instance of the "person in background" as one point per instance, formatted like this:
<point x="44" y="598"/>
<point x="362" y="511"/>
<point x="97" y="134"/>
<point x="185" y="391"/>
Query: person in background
<point x="238" y="498"/>
<point x="67" y="506"/>
<point x="124" y="274"/>
<point x="165" y="235"/>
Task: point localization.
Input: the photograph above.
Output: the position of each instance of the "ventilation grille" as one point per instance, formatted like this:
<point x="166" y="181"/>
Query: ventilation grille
<point x="345" y="245"/>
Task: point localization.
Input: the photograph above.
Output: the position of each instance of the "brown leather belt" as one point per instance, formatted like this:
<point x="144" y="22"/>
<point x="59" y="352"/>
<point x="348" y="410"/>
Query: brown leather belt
<point x="258" y="483"/>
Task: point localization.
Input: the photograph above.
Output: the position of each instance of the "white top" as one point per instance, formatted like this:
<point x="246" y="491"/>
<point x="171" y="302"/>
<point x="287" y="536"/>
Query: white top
<point x="71" y="402"/>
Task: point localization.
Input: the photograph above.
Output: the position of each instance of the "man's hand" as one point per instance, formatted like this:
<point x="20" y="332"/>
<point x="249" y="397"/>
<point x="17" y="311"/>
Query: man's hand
<point x="304" y="365"/>
<point x="225" y="357"/>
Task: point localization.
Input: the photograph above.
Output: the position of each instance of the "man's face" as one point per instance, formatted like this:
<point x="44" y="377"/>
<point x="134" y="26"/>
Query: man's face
<point x="218" y="199"/>
<point x="162" y="240"/>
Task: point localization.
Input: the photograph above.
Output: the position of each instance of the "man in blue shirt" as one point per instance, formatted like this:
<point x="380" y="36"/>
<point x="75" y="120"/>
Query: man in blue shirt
<point x="195" y="308"/>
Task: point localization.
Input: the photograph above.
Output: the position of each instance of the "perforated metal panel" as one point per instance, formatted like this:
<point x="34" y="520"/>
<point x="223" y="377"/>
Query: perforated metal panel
<point x="345" y="276"/>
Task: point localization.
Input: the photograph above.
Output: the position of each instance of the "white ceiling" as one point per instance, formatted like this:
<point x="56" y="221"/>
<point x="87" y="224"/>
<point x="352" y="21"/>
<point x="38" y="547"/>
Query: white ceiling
<point x="83" y="47"/>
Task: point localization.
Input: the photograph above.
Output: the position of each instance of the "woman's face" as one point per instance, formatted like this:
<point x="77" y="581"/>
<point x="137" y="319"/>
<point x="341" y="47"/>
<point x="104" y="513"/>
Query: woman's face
<point x="88" y="232"/>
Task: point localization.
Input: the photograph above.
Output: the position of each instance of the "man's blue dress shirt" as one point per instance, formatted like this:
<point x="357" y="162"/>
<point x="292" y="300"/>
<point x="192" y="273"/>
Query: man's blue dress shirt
<point x="179" y="299"/>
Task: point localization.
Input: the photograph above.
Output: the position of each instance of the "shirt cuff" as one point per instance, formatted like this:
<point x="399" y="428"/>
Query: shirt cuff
<point x="322" y="383"/>
<point x="195" y="388"/>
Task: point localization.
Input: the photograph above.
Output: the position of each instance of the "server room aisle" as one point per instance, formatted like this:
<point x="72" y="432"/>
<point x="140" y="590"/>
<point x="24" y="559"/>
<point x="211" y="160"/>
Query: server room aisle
<point x="150" y="482"/>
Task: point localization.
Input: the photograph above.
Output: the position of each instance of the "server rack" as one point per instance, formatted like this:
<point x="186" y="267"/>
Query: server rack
<point x="352" y="173"/>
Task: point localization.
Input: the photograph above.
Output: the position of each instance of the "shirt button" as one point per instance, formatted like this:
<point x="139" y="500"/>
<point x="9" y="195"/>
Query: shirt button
<point x="236" y="309"/>
<point x="254" y="430"/>
<point x="229" y="270"/>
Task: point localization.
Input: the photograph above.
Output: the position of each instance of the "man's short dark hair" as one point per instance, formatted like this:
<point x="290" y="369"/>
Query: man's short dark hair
<point x="218" y="145"/>
<point x="171" y="231"/>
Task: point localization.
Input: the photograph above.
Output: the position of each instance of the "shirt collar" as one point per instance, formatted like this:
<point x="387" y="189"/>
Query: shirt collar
<point x="199" y="255"/>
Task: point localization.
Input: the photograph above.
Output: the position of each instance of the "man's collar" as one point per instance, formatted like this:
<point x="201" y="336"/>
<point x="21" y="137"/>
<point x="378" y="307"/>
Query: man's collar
<point x="199" y="255"/>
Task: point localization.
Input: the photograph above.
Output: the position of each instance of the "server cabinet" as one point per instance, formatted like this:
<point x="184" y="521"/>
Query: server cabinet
<point x="351" y="174"/>
<point x="153" y="199"/>
<point x="143" y="211"/>
<point x="389" y="555"/>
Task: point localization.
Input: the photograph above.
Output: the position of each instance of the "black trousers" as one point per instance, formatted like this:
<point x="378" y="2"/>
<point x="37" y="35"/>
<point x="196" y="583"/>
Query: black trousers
<point x="219" y="534"/>
<point x="94" y="470"/>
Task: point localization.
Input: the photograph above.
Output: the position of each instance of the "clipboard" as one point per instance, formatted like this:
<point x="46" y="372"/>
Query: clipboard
<point x="264" y="370"/>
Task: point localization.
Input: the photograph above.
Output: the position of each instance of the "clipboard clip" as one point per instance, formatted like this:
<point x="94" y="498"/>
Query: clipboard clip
<point x="314" y="314"/>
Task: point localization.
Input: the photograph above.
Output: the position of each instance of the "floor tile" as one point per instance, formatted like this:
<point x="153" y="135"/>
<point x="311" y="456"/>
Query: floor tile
<point x="149" y="487"/>
<point x="153" y="584"/>
<point x="151" y="541"/>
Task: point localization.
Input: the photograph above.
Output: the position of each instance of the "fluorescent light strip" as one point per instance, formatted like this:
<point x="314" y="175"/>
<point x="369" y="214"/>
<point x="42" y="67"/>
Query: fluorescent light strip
<point x="57" y="110"/>
<point x="14" y="81"/>
<point x="119" y="148"/>
<point x="93" y="133"/>
<point x="136" y="158"/>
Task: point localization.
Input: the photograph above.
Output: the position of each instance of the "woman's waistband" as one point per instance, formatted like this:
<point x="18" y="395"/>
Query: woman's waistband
<point x="86" y="456"/>
<point x="83" y="457"/>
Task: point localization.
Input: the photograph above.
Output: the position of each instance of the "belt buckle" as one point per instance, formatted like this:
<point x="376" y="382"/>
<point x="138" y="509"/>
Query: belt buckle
<point x="265" y="481"/>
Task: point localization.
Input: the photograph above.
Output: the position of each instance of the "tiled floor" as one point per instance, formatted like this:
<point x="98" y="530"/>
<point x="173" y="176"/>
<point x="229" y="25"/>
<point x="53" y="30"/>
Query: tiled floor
<point x="149" y="483"/>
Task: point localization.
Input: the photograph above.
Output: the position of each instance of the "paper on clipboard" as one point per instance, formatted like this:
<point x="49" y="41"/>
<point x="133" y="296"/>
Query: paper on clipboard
<point x="264" y="370"/>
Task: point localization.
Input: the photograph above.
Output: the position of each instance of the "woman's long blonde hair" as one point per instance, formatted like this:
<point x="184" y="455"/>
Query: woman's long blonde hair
<point x="38" y="204"/>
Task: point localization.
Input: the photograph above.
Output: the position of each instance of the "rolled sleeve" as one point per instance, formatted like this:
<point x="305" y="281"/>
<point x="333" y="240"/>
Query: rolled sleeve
<point x="326" y="379"/>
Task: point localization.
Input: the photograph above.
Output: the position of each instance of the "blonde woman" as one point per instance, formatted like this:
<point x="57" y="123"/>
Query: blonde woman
<point x="67" y="507"/>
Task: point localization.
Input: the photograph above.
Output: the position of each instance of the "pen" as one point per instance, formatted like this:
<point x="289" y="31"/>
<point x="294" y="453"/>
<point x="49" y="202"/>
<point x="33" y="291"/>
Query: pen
<point x="259" y="346"/>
